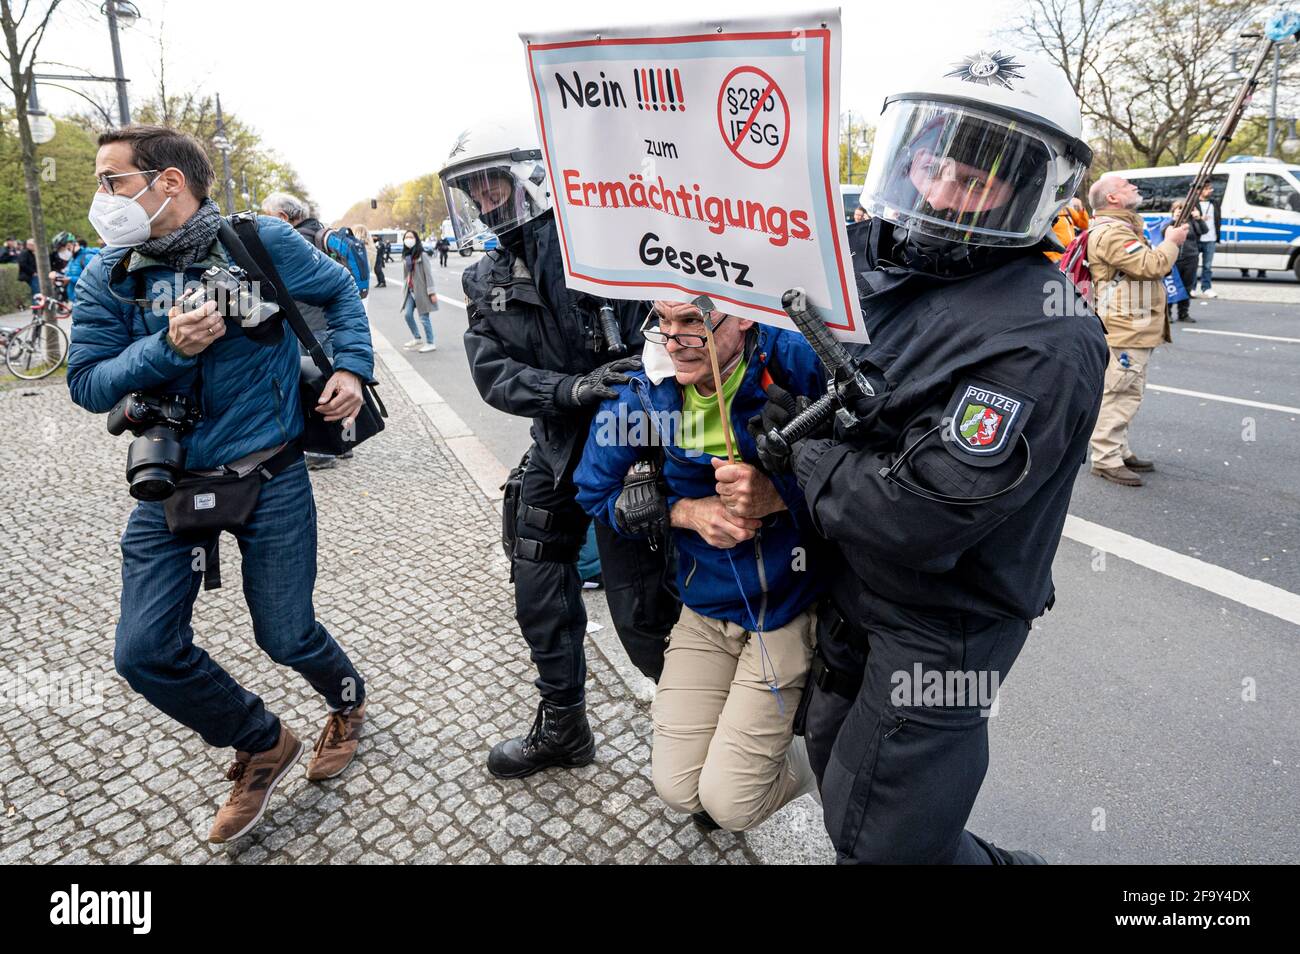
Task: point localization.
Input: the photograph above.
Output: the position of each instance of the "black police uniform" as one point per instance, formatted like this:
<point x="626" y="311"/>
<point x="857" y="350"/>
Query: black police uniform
<point x="986" y="376"/>
<point x="528" y="336"/>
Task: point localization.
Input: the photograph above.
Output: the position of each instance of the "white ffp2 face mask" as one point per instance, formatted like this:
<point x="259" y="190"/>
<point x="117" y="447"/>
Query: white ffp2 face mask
<point x="120" y="220"/>
<point x="409" y="243"/>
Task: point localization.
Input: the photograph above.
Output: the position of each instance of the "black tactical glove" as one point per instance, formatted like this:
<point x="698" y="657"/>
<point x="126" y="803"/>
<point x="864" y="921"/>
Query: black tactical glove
<point x="780" y="409"/>
<point x="641" y="508"/>
<point x="583" y="390"/>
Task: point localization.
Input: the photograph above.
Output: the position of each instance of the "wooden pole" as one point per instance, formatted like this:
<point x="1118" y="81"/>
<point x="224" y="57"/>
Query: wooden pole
<point x="717" y="387"/>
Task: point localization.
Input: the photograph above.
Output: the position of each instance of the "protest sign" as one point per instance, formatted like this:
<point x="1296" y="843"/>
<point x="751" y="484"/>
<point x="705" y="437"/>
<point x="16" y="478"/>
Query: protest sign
<point x="699" y="159"/>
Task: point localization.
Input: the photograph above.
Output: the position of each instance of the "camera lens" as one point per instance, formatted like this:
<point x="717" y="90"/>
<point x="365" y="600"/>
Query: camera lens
<point x="152" y="483"/>
<point x="154" y="462"/>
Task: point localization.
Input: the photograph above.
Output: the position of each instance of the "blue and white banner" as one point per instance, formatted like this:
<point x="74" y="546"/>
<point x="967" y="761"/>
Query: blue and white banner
<point x="1174" y="290"/>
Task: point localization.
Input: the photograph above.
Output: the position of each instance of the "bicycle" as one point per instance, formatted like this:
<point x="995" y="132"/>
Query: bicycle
<point x="39" y="348"/>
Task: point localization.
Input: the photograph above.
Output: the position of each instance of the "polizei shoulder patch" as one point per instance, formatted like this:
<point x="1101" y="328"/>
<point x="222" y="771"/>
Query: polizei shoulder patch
<point x="984" y="422"/>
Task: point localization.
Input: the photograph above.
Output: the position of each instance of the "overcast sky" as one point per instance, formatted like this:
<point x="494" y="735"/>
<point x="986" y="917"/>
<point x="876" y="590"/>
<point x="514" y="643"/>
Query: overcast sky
<point x="359" y="94"/>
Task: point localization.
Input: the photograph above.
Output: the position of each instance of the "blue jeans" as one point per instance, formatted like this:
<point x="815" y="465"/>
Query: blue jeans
<point x="155" y="649"/>
<point x="589" y="555"/>
<point x="1207" y="263"/>
<point x="424" y="317"/>
<point x="35" y="284"/>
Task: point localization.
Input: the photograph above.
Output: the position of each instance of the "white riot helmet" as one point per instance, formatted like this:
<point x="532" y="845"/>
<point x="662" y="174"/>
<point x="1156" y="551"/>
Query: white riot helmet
<point x="980" y="149"/>
<point x="494" y="180"/>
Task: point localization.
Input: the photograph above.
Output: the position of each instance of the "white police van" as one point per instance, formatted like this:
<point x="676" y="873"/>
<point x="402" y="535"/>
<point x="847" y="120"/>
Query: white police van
<point x="1257" y="201"/>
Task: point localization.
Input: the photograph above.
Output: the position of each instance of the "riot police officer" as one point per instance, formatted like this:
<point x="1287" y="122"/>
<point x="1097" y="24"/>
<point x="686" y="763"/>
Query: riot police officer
<point x="539" y="350"/>
<point x="947" y="491"/>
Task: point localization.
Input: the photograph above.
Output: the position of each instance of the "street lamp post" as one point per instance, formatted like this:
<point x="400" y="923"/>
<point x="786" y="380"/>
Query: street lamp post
<point x="40" y="125"/>
<point x="223" y="143"/>
<point x="1272" y="106"/>
<point x="1292" y="141"/>
<point x="129" y="14"/>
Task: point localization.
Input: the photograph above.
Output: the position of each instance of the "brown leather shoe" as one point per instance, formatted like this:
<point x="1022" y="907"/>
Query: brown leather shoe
<point x="1118" y="475"/>
<point x="1139" y="465"/>
<point x="255" y="775"/>
<point x="337" y="743"/>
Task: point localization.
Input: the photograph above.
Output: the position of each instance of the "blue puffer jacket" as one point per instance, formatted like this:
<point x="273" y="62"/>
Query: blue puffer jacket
<point x="75" y="267"/>
<point x="775" y="584"/>
<point x="248" y="393"/>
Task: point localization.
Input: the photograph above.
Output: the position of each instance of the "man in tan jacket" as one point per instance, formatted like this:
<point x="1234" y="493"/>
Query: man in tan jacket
<point x="1129" y="296"/>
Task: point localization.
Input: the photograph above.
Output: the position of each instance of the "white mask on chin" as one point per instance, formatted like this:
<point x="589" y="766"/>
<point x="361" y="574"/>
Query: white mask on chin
<point x="120" y="220"/>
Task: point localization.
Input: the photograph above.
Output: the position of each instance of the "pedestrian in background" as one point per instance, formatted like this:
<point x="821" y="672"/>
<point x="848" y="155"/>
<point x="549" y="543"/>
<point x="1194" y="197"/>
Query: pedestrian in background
<point x="1129" y="296"/>
<point x="1188" y="255"/>
<point x="1069" y="222"/>
<point x="421" y="296"/>
<point x="443" y="248"/>
<point x="381" y="257"/>
<point x="81" y="256"/>
<point x="1210" y="216"/>
<point x="27" y="267"/>
<point x="10" y="252"/>
<point x="363" y="233"/>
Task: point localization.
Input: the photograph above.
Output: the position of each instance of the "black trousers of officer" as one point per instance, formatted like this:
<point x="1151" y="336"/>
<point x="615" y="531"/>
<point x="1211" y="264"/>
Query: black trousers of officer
<point x="898" y="782"/>
<point x="550" y="530"/>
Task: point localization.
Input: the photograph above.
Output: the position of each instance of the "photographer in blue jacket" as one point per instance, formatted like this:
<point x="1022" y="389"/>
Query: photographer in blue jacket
<point x="724" y="749"/>
<point x="208" y="397"/>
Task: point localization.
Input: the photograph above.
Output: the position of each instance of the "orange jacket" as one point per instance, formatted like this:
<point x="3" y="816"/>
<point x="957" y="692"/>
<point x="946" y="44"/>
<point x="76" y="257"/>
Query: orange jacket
<point x="1069" y="223"/>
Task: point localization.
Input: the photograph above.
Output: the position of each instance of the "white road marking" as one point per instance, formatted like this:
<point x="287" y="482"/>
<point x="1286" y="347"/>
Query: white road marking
<point x="1255" y="594"/>
<point x="1236" y="334"/>
<point x="1224" y="399"/>
<point x="449" y="300"/>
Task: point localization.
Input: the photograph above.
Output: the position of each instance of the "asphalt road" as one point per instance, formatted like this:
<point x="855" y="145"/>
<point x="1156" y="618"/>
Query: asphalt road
<point x="1148" y="719"/>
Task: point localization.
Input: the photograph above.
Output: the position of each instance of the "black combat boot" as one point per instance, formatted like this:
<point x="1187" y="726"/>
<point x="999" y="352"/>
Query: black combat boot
<point x="560" y="735"/>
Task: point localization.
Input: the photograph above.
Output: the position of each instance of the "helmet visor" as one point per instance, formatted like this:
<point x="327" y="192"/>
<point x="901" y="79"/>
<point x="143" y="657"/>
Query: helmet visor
<point x="485" y="196"/>
<point x="964" y="175"/>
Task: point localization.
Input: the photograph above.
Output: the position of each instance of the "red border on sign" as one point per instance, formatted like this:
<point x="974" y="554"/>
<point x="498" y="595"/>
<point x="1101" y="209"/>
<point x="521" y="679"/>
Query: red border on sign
<point x="825" y="37"/>
<point x="771" y="87"/>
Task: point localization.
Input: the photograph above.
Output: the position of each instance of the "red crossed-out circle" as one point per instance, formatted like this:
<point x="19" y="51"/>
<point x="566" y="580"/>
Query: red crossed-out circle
<point x="770" y="88"/>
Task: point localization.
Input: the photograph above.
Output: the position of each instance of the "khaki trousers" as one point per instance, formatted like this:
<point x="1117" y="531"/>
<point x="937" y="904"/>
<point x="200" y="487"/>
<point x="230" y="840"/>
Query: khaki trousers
<point x="1120" y="399"/>
<point x="720" y="737"/>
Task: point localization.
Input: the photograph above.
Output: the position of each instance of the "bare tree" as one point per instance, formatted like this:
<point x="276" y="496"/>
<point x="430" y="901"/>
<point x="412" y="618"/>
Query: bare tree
<point x="1070" y="33"/>
<point x="23" y="35"/>
<point x="1151" y="75"/>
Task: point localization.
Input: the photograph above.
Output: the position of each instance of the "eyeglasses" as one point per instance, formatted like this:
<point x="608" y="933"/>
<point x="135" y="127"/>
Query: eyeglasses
<point x="683" y="340"/>
<point x="105" y="179"/>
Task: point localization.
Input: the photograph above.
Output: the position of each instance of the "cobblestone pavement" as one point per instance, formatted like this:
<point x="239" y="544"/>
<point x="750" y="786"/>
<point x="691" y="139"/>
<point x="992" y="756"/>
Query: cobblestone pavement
<point x="412" y="582"/>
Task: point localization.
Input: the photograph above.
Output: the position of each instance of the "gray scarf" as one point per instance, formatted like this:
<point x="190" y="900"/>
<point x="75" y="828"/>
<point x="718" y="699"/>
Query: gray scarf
<point x="184" y="246"/>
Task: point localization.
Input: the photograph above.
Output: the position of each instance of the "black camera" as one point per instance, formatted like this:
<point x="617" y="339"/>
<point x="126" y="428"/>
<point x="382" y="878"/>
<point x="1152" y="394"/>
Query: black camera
<point x="155" y="460"/>
<point x="237" y="298"/>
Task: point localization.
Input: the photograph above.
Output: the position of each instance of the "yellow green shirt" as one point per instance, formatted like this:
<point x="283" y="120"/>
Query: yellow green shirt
<point x="701" y="421"/>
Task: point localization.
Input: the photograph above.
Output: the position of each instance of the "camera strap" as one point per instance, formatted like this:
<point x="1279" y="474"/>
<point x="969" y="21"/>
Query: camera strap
<point x="239" y="236"/>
